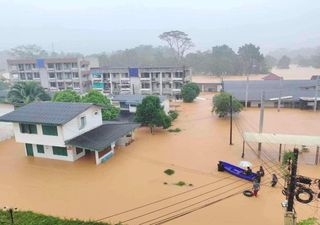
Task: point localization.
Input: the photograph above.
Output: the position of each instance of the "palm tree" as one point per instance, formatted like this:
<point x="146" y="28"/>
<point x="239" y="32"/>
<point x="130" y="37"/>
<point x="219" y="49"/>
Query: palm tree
<point x="26" y="92"/>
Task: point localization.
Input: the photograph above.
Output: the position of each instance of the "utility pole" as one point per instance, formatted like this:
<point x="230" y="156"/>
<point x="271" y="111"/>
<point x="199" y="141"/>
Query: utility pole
<point x="280" y="94"/>
<point x="230" y="120"/>
<point x="290" y="215"/>
<point x="247" y="89"/>
<point x="316" y="95"/>
<point x="261" y="118"/>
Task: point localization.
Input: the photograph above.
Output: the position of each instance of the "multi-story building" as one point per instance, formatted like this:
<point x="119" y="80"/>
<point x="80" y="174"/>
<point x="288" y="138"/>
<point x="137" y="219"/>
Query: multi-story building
<point x="143" y="80"/>
<point x="67" y="131"/>
<point x="53" y="74"/>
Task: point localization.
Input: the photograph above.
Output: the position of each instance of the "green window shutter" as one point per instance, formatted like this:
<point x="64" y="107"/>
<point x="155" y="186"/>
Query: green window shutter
<point x="40" y="148"/>
<point x="49" y="130"/>
<point x="29" y="149"/>
<point x="59" y="151"/>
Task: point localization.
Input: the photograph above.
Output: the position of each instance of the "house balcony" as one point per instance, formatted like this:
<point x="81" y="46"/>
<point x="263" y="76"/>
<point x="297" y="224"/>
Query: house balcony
<point x="145" y="78"/>
<point x="177" y="78"/>
<point x="176" y="90"/>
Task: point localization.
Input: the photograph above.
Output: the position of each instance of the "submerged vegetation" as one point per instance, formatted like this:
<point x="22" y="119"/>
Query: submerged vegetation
<point x="169" y="172"/>
<point x="175" y="130"/>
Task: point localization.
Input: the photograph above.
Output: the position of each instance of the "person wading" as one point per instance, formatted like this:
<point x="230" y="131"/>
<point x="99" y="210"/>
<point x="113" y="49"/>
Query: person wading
<point x="256" y="187"/>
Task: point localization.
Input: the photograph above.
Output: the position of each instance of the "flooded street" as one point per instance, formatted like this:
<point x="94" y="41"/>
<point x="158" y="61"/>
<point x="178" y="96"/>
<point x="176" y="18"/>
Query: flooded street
<point x="134" y="177"/>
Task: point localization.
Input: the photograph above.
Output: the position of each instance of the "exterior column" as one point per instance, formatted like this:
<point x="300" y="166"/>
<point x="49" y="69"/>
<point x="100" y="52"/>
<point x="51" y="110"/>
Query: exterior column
<point x="317" y="156"/>
<point x="160" y="80"/>
<point x="97" y="157"/>
<point x="243" y="147"/>
<point x="280" y="149"/>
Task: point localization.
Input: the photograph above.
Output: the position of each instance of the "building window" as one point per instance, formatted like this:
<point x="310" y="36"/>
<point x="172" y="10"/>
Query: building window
<point x="36" y="75"/>
<point x="75" y="75"/>
<point x="22" y="76"/>
<point x="67" y="66"/>
<point x="28" y="66"/>
<point x="67" y="75"/>
<point x="52" y="75"/>
<point x="40" y="149"/>
<point x="145" y="85"/>
<point x="59" y="76"/>
<point x="59" y="151"/>
<point x="21" y="67"/>
<point x="28" y="128"/>
<point x="74" y="65"/>
<point x="49" y="130"/>
<point x="82" y="122"/>
<point x="58" y="66"/>
<point x="79" y="150"/>
<point x="53" y="84"/>
<point x="76" y="84"/>
<point x="29" y="76"/>
<point x="145" y="75"/>
<point x="50" y="65"/>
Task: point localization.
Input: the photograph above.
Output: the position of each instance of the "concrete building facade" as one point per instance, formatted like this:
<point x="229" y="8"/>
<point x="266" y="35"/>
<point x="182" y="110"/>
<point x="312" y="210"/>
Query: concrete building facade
<point x="166" y="81"/>
<point x="53" y="74"/>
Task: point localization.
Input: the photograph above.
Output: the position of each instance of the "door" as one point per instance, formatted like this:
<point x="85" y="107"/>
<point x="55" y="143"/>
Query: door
<point x="29" y="149"/>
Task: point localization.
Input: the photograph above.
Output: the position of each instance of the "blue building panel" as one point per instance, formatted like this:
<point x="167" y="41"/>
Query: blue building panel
<point x="133" y="72"/>
<point x="40" y="63"/>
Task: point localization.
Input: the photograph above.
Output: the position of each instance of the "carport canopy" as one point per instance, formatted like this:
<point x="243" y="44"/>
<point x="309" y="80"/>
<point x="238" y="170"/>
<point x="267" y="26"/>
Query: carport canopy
<point x="280" y="139"/>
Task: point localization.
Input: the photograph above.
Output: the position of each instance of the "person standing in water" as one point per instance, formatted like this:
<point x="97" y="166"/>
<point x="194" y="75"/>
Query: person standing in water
<point x="256" y="187"/>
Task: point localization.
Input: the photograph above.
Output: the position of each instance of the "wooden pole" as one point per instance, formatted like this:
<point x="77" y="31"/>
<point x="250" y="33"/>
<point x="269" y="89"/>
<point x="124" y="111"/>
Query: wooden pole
<point x="230" y="120"/>
<point x="280" y="149"/>
<point x="317" y="156"/>
<point x="316" y="95"/>
<point x="243" y="146"/>
<point x="247" y="89"/>
<point x="261" y="119"/>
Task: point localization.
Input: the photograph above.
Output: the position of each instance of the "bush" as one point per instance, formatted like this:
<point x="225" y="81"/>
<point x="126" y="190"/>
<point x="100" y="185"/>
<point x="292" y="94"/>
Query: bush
<point x="181" y="183"/>
<point x="189" y="92"/>
<point x="173" y="114"/>
<point x="169" y="172"/>
<point x="176" y="130"/>
<point x="221" y="104"/>
<point x="286" y="156"/>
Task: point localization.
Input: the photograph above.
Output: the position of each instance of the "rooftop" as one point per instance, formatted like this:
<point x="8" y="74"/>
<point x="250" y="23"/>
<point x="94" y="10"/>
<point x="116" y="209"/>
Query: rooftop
<point x="102" y="136"/>
<point x="271" y="88"/>
<point x="54" y="113"/>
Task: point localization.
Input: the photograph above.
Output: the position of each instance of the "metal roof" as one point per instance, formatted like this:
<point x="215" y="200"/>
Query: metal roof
<point x="271" y="88"/>
<point x="102" y="136"/>
<point x="134" y="99"/>
<point x="55" y="113"/>
<point x="281" y="139"/>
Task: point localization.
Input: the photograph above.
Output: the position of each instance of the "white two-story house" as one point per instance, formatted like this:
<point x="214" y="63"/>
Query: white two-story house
<point x="67" y="131"/>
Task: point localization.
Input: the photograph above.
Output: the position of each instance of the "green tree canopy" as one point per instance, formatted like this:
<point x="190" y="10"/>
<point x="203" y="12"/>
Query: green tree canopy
<point x="28" y="51"/>
<point x="284" y="62"/>
<point x="66" y="96"/>
<point x="221" y="104"/>
<point x="150" y="113"/>
<point x="189" y="92"/>
<point x="109" y="111"/>
<point x="26" y="92"/>
<point x="252" y="61"/>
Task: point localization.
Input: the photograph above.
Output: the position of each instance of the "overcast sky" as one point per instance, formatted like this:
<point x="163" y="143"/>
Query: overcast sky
<point x="90" y="26"/>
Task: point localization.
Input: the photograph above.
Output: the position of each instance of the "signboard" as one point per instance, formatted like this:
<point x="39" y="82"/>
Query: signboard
<point x="40" y="63"/>
<point x="133" y="72"/>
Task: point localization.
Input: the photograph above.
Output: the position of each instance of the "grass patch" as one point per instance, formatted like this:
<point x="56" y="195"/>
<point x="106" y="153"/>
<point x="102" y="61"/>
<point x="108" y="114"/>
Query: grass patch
<point x="169" y="172"/>
<point x="181" y="183"/>
<point x="31" y="218"/>
<point x="176" y="130"/>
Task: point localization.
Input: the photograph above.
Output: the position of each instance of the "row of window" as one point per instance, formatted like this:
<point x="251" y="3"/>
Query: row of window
<point x="56" y="150"/>
<point x="164" y="85"/>
<point x="62" y="76"/>
<point x="60" y="66"/>
<point x="32" y="129"/>
<point x="29" y="76"/>
<point x="65" y="85"/>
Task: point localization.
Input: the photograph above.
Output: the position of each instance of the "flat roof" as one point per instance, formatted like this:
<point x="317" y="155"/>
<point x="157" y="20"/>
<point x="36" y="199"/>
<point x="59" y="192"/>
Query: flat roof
<point x="53" y="113"/>
<point x="101" y="137"/>
<point x="281" y="139"/>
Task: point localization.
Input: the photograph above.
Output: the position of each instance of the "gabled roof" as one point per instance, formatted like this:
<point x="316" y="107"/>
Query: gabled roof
<point x="272" y="76"/>
<point x="102" y="136"/>
<point x="54" y="113"/>
<point x="134" y="99"/>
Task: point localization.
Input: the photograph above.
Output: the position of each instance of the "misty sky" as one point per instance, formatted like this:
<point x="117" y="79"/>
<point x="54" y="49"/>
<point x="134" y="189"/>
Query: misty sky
<point x="89" y="26"/>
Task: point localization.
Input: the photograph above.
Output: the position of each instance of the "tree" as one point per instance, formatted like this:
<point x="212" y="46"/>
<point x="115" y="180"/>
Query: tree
<point x="189" y="92"/>
<point x="178" y="41"/>
<point x="3" y="85"/>
<point x="270" y="61"/>
<point x="109" y="112"/>
<point x="66" y="96"/>
<point x="221" y="104"/>
<point x="28" y="51"/>
<point x="26" y="92"/>
<point x="315" y="61"/>
<point x="284" y="62"/>
<point x="224" y="60"/>
<point x="150" y="113"/>
<point x="251" y="59"/>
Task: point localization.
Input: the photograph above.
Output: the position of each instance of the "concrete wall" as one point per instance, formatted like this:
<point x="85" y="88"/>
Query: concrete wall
<point x="93" y="120"/>
<point x="106" y="156"/>
<point x="6" y="129"/>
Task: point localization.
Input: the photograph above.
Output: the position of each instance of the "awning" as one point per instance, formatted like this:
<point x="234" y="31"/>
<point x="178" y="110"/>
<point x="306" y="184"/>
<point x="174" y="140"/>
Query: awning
<point x="102" y="136"/>
<point x="281" y="139"/>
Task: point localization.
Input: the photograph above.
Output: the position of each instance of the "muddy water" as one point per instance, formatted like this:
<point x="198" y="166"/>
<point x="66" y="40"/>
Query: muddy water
<point x="134" y="176"/>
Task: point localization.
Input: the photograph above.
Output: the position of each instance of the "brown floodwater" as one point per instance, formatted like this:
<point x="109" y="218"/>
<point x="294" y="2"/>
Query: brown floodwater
<point x="134" y="176"/>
